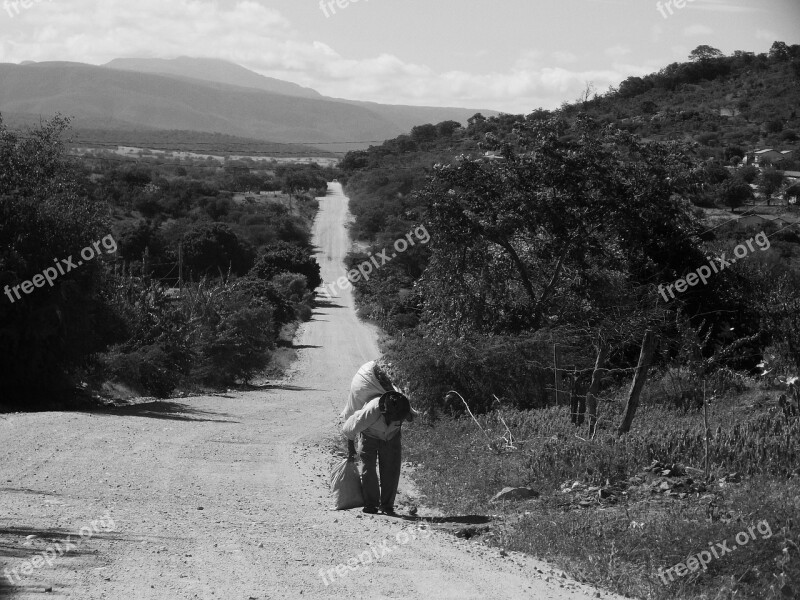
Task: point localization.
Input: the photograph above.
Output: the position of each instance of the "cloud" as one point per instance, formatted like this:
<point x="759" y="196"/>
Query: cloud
<point x="262" y="39"/>
<point x="697" y="30"/>
<point x="766" y="35"/>
<point x="565" y="57"/>
<point x="727" y="6"/>
<point x="617" y="51"/>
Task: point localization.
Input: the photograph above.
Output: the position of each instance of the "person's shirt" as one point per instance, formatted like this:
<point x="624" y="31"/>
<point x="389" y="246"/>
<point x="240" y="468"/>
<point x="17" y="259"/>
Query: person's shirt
<point x="370" y="421"/>
<point x="364" y="388"/>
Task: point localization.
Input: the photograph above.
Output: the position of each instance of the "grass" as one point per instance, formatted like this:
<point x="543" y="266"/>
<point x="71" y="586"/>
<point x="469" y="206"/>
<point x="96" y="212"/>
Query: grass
<point x="620" y="541"/>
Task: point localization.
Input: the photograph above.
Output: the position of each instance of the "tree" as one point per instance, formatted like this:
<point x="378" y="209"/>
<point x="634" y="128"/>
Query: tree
<point x="779" y="51"/>
<point x="45" y="215"/>
<point x="704" y="53"/>
<point x="714" y="173"/>
<point x="735" y="193"/>
<point x="634" y="86"/>
<point x="597" y="202"/>
<point x="748" y="174"/>
<point x="284" y="257"/>
<point x="732" y="151"/>
<point x="774" y="126"/>
<point x="770" y="182"/>
<point x="423" y="134"/>
<point x="214" y="250"/>
<point x="447" y="128"/>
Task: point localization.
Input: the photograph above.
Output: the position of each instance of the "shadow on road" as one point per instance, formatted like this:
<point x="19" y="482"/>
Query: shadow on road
<point x="461" y="520"/>
<point x="328" y="304"/>
<point x="174" y="411"/>
<point x="17" y="548"/>
<point x="249" y="387"/>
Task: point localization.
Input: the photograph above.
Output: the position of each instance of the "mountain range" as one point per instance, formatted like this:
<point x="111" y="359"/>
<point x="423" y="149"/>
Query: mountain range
<point x="202" y="95"/>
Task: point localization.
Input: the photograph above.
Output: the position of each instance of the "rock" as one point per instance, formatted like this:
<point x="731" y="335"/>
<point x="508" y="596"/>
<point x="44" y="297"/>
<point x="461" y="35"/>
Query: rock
<point x="509" y="493"/>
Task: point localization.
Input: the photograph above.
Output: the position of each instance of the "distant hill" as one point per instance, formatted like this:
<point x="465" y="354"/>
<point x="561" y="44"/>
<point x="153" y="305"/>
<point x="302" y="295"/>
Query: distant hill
<point x="726" y="104"/>
<point x="214" y="70"/>
<point x="199" y="95"/>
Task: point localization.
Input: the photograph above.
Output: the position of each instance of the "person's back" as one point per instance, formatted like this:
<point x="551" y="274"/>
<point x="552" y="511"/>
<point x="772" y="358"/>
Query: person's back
<point x="369" y="382"/>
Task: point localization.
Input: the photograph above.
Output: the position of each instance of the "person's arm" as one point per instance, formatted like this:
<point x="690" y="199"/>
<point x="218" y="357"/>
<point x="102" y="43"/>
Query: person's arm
<point x="361" y="420"/>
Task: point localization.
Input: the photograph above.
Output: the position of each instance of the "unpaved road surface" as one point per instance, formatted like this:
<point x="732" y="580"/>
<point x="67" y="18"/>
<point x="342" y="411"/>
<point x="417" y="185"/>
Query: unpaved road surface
<point x="226" y="497"/>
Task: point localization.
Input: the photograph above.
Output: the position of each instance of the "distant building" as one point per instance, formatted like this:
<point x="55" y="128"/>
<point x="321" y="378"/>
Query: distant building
<point x="769" y="154"/>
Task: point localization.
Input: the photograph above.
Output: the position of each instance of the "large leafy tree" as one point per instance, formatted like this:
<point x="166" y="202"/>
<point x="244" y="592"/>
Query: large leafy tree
<point x="572" y="228"/>
<point x="705" y="52"/>
<point x="769" y="183"/>
<point x="735" y="193"/>
<point x="284" y="257"/>
<point x="46" y="216"/>
<point x="216" y="250"/>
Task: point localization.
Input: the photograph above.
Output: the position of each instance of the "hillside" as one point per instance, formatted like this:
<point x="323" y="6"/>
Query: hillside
<point x="744" y="100"/>
<point x="211" y="69"/>
<point x="533" y="325"/>
<point x="115" y="99"/>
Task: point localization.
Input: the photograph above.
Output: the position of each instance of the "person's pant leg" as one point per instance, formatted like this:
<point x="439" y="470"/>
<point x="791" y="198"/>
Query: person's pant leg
<point x="368" y="454"/>
<point x="390" y="460"/>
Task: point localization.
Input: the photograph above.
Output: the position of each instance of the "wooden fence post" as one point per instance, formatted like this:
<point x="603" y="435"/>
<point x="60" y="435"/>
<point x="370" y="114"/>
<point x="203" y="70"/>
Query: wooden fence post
<point x="645" y="358"/>
<point x="594" y="387"/>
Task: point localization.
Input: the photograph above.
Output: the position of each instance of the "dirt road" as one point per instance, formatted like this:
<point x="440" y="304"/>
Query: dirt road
<point x="225" y="497"/>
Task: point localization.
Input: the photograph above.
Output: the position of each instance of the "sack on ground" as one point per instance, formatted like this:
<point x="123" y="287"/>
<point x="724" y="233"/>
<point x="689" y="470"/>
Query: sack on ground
<point x="346" y="486"/>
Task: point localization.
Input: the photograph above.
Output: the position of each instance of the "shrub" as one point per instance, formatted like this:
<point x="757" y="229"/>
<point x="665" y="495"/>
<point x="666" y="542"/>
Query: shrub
<point x="284" y="257"/>
<point x="236" y="348"/>
<point x="45" y="215"/>
<point x="291" y="285"/>
<point x="147" y="370"/>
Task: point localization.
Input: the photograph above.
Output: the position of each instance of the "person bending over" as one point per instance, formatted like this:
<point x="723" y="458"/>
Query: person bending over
<point x="378" y="428"/>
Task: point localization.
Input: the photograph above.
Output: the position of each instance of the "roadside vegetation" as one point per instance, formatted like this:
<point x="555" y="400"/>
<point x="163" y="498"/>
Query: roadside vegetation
<point x="533" y="331"/>
<point x="212" y="267"/>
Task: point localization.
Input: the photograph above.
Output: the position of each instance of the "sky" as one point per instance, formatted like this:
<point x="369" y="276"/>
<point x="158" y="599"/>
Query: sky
<point x="507" y="55"/>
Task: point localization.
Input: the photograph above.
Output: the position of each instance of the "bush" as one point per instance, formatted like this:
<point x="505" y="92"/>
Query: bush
<point x="304" y="312"/>
<point x="236" y="348"/>
<point x="291" y="285"/>
<point x="45" y="215"/>
<point x="147" y="370"/>
<point x="284" y="257"/>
